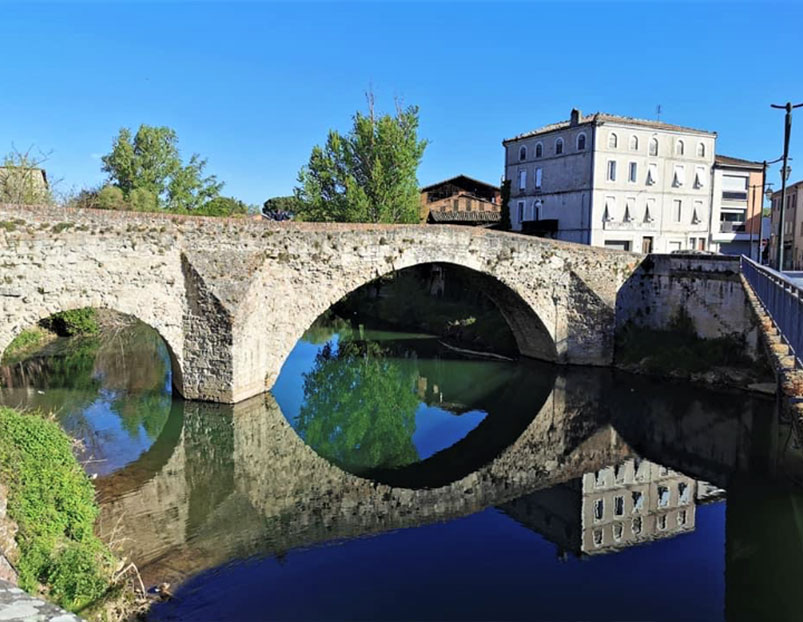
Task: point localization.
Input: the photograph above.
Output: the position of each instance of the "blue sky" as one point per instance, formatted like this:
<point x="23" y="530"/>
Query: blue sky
<point x="253" y="86"/>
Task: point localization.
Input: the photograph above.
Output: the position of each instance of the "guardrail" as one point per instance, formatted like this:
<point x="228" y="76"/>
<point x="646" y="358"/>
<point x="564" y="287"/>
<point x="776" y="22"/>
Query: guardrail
<point x="781" y="298"/>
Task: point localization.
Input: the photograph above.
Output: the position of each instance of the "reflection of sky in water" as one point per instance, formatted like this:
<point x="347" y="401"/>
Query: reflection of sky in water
<point x="101" y="430"/>
<point x="435" y="428"/>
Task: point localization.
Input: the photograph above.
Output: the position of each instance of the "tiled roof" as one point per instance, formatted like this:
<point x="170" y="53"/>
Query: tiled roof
<point x="729" y="161"/>
<point x="598" y="118"/>
<point x="458" y="177"/>
<point x="446" y="217"/>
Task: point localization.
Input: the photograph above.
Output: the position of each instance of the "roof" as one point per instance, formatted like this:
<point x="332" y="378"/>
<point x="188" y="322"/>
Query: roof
<point x="456" y="179"/>
<point x="724" y="160"/>
<point x="599" y="118"/>
<point x="777" y="193"/>
<point x="445" y="217"/>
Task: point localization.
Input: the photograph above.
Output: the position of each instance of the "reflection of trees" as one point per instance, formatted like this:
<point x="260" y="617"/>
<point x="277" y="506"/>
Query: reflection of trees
<point x="359" y="407"/>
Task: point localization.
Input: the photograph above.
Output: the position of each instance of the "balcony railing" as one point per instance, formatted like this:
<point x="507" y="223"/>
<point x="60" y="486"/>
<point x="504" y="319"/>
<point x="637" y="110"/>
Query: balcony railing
<point x="731" y="227"/>
<point x="782" y="299"/>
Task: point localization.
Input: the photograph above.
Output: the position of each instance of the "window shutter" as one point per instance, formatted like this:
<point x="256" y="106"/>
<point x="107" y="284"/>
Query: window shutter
<point x="538" y="175"/>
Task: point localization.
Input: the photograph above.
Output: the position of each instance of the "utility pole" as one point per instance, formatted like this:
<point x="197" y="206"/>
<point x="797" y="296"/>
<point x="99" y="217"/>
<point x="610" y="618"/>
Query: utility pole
<point x="787" y="133"/>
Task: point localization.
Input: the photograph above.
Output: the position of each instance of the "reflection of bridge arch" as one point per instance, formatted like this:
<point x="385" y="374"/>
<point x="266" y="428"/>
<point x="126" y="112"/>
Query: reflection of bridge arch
<point x="510" y="413"/>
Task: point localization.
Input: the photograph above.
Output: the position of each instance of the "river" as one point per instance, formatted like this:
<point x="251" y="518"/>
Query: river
<point x="388" y="477"/>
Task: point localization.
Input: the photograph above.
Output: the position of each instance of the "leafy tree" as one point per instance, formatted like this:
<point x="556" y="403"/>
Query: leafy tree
<point x="150" y="161"/>
<point x="223" y="206"/>
<point x="289" y="205"/>
<point x="359" y="408"/>
<point x="504" y="221"/>
<point x="368" y="175"/>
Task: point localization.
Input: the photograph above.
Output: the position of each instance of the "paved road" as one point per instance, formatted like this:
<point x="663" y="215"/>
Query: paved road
<point x="17" y="606"/>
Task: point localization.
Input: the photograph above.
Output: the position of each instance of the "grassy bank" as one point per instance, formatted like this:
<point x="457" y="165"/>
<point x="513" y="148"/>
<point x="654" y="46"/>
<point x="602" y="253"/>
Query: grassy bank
<point x="52" y="501"/>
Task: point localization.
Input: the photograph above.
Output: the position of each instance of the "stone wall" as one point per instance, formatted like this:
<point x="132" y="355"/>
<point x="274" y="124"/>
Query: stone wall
<point x="706" y="289"/>
<point x="232" y="296"/>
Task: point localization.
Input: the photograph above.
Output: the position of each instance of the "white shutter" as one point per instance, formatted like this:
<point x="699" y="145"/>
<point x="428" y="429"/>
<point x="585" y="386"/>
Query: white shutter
<point x="522" y="180"/>
<point x="699" y="177"/>
<point x="652" y="174"/>
<point x="680" y="176"/>
<point x="538" y="175"/>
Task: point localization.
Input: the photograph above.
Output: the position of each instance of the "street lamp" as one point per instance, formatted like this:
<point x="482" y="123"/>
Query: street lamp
<point x="784" y="174"/>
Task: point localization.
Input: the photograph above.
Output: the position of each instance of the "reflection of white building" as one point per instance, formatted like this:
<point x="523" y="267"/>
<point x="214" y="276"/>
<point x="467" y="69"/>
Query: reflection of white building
<point x="634" y="502"/>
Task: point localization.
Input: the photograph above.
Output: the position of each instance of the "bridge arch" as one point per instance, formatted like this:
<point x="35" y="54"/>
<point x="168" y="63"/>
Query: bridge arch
<point x="259" y="357"/>
<point x="33" y="315"/>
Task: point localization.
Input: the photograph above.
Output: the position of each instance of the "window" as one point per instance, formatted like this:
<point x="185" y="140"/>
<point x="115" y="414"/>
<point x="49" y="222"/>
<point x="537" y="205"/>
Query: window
<point x="663" y="496"/>
<point x="599" y="480"/>
<point x="538" y="177"/>
<point x="638" y="501"/>
<point x="682" y="517"/>
<point x="469" y="205"/>
<point x="630" y="208"/>
<point x="661" y="522"/>
<point x="653" y="146"/>
<point x="632" y="173"/>
<point x="646" y="245"/>
<point x="700" y="150"/>
<point x="683" y="492"/>
<point x="598" y="537"/>
<point x="539" y="150"/>
<point x="617" y="531"/>
<point x="520" y="210"/>
<point x="610" y="209"/>
<point x="734" y="188"/>
<point x="699" y="177"/>
<point x="618" y="506"/>
<point x="613" y="141"/>
<point x="634" y="143"/>
<point x="611" y="170"/>
<point x="599" y="509"/>
<point x="522" y="180"/>
<point x="679" y="176"/>
<point x="695" y="215"/>
<point x="619" y="245"/>
<point x="558" y="146"/>
<point x="649" y="210"/>
<point x="677" y="210"/>
<point x="619" y="474"/>
<point x="455" y="205"/>
<point x="679" y="148"/>
<point x="692" y="243"/>
<point x="581" y="142"/>
<point x="536" y="210"/>
<point x="523" y="153"/>
<point x="636" y="525"/>
<point x="652" y="174"/>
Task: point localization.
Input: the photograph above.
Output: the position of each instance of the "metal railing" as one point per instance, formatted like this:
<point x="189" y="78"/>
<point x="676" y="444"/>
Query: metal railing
<point x="782" y="299"/>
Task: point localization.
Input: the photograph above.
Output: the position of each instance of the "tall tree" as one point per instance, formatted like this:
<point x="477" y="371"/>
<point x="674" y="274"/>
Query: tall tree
<point x="150" y="160"/>
<point x="504" y="219"/>
<point x="368" y="175"/>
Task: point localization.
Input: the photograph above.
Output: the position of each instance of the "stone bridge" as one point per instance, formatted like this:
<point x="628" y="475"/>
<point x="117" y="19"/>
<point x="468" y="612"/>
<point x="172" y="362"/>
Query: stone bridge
<point x="231" y="297"/>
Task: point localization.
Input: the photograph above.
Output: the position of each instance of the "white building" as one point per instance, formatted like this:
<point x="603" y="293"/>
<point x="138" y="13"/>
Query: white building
<point x="613" y="181"/>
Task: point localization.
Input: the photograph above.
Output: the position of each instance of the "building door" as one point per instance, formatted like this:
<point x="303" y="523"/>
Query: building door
<point x="646" y="244"/>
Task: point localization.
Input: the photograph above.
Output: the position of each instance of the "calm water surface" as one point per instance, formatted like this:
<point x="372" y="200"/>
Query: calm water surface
<point x="387" y="477"/>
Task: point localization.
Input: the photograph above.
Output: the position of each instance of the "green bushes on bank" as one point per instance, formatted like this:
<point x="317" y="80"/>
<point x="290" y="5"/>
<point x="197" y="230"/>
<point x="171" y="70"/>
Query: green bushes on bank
<point x="53" y="502"/>
<point x="72" y="323"/>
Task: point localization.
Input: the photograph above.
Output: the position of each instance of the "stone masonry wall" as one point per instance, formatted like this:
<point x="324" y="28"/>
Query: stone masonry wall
<point x="232" y="296"/>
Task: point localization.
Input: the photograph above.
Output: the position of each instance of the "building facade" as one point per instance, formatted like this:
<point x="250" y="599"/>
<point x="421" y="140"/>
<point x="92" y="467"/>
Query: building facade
<point x="460" y="200"/>
<point x="613" y="181"/>
<point x="737" y="198"/>
<point x="792" y="228"/>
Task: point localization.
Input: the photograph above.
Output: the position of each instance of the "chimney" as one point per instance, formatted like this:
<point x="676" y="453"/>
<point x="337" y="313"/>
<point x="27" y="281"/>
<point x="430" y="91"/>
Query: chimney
<point x="576" y="114"/>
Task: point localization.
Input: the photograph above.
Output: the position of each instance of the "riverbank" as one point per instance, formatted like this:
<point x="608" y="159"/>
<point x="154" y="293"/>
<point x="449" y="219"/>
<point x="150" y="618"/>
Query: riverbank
<point x="48" y="544"/>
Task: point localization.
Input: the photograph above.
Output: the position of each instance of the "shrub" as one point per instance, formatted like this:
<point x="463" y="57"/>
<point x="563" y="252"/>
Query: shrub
<point x="53" y="502"/>
<point x="72" y="323"/>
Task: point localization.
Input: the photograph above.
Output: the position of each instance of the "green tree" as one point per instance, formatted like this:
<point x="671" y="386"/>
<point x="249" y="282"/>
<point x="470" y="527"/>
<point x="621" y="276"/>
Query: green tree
<point x="359" y="408"/>
<point x="504" y="220"/>
<point x="289" y="204"/>
<point x="150" y="161"/>
<point x="223" y="206"/>
<point x="368" y="175"/>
